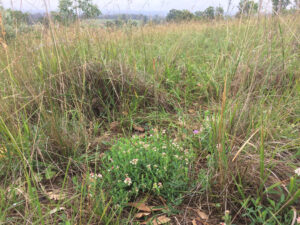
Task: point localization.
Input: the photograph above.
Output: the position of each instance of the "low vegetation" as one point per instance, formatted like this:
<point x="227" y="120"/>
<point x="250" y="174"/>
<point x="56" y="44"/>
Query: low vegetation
<point x="151" y="165"/>
<point x="186" y="123"/>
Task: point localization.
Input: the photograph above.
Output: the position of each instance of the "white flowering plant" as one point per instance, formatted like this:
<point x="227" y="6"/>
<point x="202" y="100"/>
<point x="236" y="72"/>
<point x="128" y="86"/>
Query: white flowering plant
<point x="152" y="164"/>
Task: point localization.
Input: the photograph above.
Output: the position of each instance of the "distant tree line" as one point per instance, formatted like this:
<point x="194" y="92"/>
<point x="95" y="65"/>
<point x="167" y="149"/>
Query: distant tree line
<point x="280" y="6"/>
<point x="125" y="17"/>
<point x="245" y="8"/>
<point x="69" y="10"/>
<point x="15" y="21"/>
<point x="117" y="23"/>
<point x="209" y="13"/>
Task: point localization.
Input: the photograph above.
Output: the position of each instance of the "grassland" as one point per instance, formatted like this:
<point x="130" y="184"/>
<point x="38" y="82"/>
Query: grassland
<point x="226" y="91"/>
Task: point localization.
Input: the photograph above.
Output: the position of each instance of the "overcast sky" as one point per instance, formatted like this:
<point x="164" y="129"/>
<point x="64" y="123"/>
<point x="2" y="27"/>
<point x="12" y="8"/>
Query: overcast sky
<point x="114" y="6"/>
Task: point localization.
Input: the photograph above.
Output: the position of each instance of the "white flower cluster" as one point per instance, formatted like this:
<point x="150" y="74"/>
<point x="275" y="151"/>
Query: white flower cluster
<point x="134" y="161"/>
<point x="157" y="185"/>
<point x="128" y="181"/>
<point x="95" y="176"/>
<point x="297" y="171"/>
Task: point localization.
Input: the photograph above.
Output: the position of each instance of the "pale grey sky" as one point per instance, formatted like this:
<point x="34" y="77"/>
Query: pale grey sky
<point x="115" y="6"/>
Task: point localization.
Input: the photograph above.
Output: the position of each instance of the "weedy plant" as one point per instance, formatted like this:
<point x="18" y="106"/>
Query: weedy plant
<point x="152" y="164"/>
<point x="274" y="212"/>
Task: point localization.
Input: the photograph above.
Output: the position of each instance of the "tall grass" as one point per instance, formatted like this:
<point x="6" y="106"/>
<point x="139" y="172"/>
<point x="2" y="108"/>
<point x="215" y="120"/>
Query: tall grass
<point x="61" y="90"/>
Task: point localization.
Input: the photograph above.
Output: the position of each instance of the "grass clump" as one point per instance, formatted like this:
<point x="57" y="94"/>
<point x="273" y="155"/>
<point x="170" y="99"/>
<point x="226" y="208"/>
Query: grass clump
<point x="152" y="164"/>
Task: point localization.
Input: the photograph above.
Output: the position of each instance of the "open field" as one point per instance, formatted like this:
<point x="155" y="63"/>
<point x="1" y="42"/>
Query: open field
<point x="199" y="119"/>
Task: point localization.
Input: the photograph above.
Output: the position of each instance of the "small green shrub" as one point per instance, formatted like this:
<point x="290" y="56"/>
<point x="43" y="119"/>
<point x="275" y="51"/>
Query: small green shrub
<point x="274" y="212"/>
<point x="261" y="214"/>
<point x="152" y="164"/>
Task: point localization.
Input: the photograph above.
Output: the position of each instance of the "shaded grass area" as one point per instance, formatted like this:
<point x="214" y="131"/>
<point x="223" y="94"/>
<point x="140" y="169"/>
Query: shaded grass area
<point x="227" y="91"/>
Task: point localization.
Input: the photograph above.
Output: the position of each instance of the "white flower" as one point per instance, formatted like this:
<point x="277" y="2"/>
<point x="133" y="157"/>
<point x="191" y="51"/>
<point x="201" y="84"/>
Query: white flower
<point x="175" y="144"/>
<point x="176" y="156"/>
<point x="155" y="166"/>
<point x="149" y="167"/>
<point x="134" y="161"/>
<point x="99" y="175"/>
<point x="163" y="154"/>
<point x="160" y="185"/>
<point x="164" y="147"/>
<point x="128" y="181"/>
<point x="297" y="171"/>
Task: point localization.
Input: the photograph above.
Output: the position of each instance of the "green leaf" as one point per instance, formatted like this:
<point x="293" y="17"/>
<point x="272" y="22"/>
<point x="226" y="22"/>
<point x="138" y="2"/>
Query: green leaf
<point x="49" y="174"/>
<point x="272" y="203"/>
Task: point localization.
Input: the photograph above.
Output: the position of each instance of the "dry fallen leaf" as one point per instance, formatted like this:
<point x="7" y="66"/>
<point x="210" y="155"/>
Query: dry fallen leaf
<point x="56" y="195"/>
<point x="141" y="135"/>
<point x="191" y="111"/>
<point x="114" y="125"/>
<point x="142" y="214"/>
<point x="202" y="215"/>
<point x="143" y="207"/>
<point x="56" y="210"/>
<point x="138" y="128"/>
<point x="161" y="220"/>
<point x="140" y="206"/>
<point x="197" y="222"/>
<point x="21" y="192"/>
<point x="157" y="221"/>
<point x="3" y="151"/>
